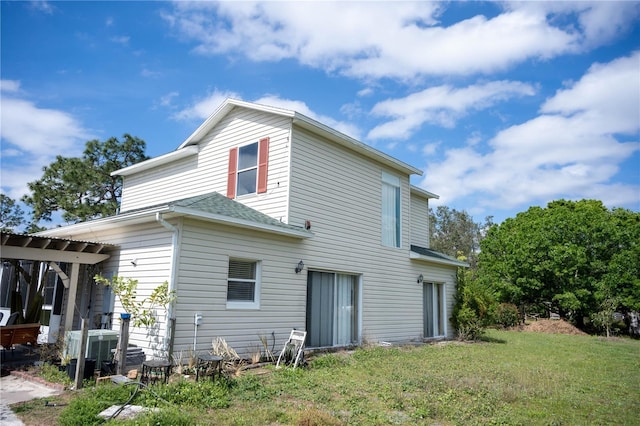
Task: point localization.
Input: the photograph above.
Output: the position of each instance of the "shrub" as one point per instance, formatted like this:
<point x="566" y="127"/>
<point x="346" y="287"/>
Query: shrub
<point x="507" y="315"/>
<point x="474" y="303"/>
<point x="468" y="324"/>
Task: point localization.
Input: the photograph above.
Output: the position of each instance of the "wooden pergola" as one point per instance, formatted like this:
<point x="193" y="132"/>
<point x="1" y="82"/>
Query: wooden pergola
<point x="55" y="251"/>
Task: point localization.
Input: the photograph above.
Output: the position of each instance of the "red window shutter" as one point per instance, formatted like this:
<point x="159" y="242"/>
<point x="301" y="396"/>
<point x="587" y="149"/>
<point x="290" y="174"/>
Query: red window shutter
<point x="263" y="162"/>
<point x="231" y="177"/>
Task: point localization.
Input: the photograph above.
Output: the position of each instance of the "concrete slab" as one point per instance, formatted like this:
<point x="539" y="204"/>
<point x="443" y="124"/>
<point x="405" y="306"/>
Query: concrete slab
<point x="17" y="389"/>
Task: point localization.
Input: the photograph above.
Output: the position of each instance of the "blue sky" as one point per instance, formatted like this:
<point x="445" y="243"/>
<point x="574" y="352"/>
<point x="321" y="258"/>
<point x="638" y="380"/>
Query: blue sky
<point x="502" y="105"/>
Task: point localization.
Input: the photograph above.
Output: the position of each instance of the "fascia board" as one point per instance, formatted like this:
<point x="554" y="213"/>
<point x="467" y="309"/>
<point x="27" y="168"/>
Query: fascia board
<point x="424" y="192"/>
<point x="132" y="218"/>
<point x="418" y="256"/>
<point x="157" y="161"/>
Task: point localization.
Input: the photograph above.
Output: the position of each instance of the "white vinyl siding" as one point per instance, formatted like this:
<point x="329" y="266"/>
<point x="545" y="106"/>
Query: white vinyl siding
<point x="207" y="171"/>
<point x="150" y="244"/>
<point x="419" y="221"/>
<point x="347" y="229"/>
<point x="202" y="287"/>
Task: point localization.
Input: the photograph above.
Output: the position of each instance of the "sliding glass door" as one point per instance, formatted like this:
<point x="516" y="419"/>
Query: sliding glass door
<point x="332" y="309"/>
<point x="434" y="310"/>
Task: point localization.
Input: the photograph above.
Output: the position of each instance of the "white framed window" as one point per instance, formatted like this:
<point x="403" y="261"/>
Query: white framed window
<point x="391" y="223"/>
<point x="247" y="169"/>
<point x="243" y="284"/>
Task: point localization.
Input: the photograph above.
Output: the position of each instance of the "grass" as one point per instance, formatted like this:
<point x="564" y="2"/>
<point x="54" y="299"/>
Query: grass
<point x="511" y="378"/>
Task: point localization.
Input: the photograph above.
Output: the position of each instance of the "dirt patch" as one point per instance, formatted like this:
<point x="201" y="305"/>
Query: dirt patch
<point x="553" y="327"/>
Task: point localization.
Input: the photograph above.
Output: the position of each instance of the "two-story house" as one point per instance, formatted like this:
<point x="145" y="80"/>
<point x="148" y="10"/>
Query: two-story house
<point x="265" y="220"/>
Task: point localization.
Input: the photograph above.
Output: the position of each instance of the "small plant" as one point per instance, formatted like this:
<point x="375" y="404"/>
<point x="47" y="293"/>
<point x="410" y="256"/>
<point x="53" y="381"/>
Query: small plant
<point x="52" y="374"/>
<point x="256" y="354"/>
<point x="268" y="352"/>
<point x="50" y="353"/>
<point x="142" y="311"/>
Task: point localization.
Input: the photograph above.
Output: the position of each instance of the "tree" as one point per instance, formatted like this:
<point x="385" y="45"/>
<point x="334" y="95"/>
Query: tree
<point x="575" y="257"/>
<point x="11" y="215"/>
<point x="454" y="233"/>
<point x="83" y="188"/>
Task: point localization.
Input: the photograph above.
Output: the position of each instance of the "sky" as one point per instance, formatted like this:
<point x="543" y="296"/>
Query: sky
<point x="502" y="105"/>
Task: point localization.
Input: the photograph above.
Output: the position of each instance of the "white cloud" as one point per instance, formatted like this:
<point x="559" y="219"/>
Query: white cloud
<point x="573" y="149"/>
<point x="9" y="86"/>
<point x="599" y="22"/>
<point x="42" y="6"/>
<point x="37" y="135"/>
<point x="441" y="105"/>
<point x="401" y="40"/>
<point x="204" y="107"/>
<point x="124" y="40"/>
<point x="147" y="73"/>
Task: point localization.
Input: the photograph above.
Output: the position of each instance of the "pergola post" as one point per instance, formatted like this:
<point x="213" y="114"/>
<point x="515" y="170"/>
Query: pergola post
<point x="71" y="296"/>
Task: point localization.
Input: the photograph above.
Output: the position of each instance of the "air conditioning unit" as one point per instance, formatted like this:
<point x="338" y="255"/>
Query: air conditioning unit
<point x="100" y="344"/>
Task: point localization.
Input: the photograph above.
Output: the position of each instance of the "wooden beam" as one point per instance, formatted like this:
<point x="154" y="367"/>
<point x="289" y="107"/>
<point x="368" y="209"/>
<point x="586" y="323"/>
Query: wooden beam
<point x="64" y="277"/>
<point x="46" y="255"/>
<point x="71" y="296"/>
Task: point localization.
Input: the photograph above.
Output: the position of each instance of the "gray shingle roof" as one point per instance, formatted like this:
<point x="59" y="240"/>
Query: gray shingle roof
<point x="218" y="204"/>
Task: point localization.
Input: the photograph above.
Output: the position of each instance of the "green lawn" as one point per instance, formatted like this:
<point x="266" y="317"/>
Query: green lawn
<point x="511" y="378"/>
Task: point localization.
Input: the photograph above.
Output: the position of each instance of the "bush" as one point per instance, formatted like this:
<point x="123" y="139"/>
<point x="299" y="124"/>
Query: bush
<point x="469" y="325"/>
<point x="473" y="307"/>
<point x="507" y="315"/>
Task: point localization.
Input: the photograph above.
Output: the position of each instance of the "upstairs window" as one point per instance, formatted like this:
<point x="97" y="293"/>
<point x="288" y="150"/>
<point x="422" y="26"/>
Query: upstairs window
<point x="243" y="284"/>
<point x="248" y="169"/>
<point x="390" y="210"/>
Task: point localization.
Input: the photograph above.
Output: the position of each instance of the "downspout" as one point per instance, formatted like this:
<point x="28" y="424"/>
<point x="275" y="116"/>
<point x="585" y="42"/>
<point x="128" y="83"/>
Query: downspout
<point x="175" y="251"/>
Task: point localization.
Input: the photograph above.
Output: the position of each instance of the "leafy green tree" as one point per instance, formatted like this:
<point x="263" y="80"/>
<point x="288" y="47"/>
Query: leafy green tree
<point x="11" y="215"/>
<point x="454" y="232"/>
<point x="571" y="256"/>
<point x="83" y="188"/>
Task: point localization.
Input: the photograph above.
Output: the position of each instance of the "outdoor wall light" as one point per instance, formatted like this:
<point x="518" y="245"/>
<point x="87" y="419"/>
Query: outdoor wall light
<point x="420" y="279"/>
<point x="299" y="267"/>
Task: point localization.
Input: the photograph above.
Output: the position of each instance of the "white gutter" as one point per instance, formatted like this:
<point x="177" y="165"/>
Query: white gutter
<point x="173" y="272"/>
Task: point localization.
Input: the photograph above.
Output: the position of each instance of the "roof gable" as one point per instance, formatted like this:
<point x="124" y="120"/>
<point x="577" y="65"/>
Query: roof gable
<point x="297" y="119"/>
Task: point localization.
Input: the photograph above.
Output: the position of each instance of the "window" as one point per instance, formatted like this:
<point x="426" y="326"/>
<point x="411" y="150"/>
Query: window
<point x="248" y="169"/>
<point x="434" y="310"/>
<point x="243" y="284"/>
<point x="390" y="210"/>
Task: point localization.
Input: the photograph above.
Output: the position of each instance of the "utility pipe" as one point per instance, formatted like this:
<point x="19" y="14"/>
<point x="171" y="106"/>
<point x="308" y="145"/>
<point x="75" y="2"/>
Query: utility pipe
<point x="175" y="251"/>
